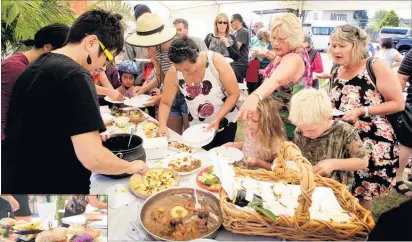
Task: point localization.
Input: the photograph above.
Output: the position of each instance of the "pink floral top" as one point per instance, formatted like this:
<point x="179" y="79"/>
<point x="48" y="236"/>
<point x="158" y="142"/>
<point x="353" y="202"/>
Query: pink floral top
<point x="250" y="149"/>
<point x="205" y="99"/>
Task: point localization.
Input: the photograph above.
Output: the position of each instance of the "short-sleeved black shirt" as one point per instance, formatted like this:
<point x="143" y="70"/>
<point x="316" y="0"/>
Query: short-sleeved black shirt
<point x="24" y="208"/>
<point x="53" y="99"/>
<point x="406" y="69"/>
<point x="243" y="35"/>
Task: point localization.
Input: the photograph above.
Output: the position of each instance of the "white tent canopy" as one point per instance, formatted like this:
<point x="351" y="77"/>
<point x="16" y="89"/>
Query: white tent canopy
<point x="201" y="14"/>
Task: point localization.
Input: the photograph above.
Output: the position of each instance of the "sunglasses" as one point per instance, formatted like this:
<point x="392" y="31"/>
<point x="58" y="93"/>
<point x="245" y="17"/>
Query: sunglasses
<point x="349" y="29"/>
<point x="222" y="22"/>
<point x="109" y="56"/>
<point x="184" y="51"/>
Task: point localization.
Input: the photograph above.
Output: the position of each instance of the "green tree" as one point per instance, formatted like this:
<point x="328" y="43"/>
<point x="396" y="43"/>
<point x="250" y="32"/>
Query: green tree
<point x="118" y="7"/>
<point x="22" y="19"/>
<point x="391" y="20"/>
<point x="377" y="18"/>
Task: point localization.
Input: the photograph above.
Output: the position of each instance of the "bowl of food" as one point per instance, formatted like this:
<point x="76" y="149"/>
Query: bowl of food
<point x="122" y="122"/>
<point x="153" y="181"/>
<point x="171" y="215"/>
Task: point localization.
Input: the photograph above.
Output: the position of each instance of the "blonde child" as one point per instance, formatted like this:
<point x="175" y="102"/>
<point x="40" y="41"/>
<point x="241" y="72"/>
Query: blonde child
<point x="263" y="136"/>
<point x="333" y="147"/>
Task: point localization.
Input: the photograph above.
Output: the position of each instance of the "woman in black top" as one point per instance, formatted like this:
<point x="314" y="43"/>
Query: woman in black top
<point x="70" y="133"/>
<point x="221" y="40"/>
<point x="23" y="213"/>
<point x="405" y="152"/>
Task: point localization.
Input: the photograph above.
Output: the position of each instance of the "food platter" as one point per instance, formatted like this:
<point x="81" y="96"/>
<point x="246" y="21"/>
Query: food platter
<point x="153" y="181"/>
<point x="179" y="146"/>
<point x="207" y="180"/>
<point x="183" y="163"/>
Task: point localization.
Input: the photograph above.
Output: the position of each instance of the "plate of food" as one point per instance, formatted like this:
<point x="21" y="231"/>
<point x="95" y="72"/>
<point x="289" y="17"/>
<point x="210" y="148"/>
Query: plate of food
<point x="153" y="181"/>
<point x="107" y="98"/>
<point x="230" y="154"/>
<point x="179" y="146"/>
<point x="136" y="116"/>
<point x="183" y="163"/>
<point x="207" y="180"/>
<point x="137" y="101"/>
<point x="117" y="112"/>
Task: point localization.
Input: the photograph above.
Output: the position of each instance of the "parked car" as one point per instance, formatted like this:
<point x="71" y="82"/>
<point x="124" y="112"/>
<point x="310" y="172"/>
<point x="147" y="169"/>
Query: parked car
<point x="320" y="32"/>
<point x="404" y="45"/>
<point x="395" y="32"/>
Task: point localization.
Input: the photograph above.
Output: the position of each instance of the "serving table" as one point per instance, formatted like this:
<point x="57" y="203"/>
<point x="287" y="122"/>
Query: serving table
<point x="119" y="218"/>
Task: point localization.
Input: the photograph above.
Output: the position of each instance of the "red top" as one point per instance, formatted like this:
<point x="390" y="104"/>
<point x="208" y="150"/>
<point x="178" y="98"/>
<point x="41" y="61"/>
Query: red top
<point x="317" y="65"/>
<point x="11" y="68"/>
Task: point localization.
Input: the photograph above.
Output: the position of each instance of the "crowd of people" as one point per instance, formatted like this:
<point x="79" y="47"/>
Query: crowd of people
<point x="53" y="116"/>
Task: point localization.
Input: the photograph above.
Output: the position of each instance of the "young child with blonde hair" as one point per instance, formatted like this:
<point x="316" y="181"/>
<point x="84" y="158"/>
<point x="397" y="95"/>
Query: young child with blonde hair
<point x="263" y="137"/>
<point x="333" y="147"/>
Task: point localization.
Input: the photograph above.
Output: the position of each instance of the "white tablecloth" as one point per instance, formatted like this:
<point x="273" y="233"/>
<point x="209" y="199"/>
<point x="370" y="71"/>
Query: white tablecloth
<point x="119" y="218"/>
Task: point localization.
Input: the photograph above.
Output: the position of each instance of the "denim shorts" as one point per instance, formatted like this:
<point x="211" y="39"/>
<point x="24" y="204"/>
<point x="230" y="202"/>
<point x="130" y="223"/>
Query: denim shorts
<point x="179" y="106"/>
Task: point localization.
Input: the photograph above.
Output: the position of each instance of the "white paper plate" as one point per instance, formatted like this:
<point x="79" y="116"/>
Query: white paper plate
<point x="337" y="112"/>
<point x="137" y="101"/>
<point x="230" y="154"/>
<point x="196" y="134"/>
<point x="228" y="59"/>
<point x="200" y="144"/>
<point x="111" y="101"/>
<point x="165" y="162"/>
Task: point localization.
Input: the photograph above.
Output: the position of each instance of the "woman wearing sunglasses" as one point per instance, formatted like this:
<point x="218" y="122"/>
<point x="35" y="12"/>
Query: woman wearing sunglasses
<point x="366" y="103"/>
<point x="221" y="41"/>
<point x="54" y="121"/>
<point x="209" y="86"/>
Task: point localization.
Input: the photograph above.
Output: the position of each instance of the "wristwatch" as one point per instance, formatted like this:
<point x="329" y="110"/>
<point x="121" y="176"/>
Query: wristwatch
<point x="258" y="95"/>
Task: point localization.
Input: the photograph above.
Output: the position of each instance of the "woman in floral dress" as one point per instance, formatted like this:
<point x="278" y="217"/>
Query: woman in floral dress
<point x="365" y="104"/>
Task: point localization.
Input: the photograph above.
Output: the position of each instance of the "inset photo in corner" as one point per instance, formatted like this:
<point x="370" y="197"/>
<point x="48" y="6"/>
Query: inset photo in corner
<point x="53" y="218"/>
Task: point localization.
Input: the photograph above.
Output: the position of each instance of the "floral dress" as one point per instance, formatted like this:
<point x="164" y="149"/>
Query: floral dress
<point x="376" y="133"/>
<point x="284" y="93"/>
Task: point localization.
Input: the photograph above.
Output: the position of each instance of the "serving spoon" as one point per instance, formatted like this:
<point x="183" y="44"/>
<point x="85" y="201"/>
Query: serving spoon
<point x="131" y="135"/>
<point x="197" y="204"/>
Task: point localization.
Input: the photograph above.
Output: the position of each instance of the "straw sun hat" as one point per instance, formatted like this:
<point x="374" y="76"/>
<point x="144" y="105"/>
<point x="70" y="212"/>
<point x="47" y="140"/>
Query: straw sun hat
<point x="150" y="31"/>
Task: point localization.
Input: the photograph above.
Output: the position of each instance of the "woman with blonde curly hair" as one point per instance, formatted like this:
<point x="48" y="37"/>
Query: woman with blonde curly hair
<point x="263" y="136"/>
<point x="288" y="73"/>
<point x="221" y="40"/>
<point x="366" y="103"/>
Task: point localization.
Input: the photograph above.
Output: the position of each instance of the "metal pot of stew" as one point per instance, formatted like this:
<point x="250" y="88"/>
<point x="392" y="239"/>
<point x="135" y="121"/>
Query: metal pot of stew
<point x="118" y="144"/>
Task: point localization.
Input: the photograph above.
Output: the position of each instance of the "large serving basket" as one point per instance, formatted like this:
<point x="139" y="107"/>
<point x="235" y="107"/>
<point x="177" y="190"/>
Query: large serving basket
<point x="300" y="226"/>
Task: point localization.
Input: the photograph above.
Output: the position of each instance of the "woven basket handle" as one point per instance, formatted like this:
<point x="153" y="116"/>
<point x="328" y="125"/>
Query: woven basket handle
<point x="289" y="151"/>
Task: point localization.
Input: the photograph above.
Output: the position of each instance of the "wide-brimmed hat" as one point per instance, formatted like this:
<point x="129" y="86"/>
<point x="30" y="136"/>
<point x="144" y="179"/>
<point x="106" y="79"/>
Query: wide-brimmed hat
<point x="150" y="31"/>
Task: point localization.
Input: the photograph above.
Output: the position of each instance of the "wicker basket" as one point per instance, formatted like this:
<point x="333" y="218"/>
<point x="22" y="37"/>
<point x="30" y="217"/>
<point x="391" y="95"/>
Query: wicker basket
<point x="299" y="227"/>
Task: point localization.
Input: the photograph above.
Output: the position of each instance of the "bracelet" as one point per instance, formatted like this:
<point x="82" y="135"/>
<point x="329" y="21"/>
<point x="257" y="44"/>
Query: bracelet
<point x="366" y="112"/>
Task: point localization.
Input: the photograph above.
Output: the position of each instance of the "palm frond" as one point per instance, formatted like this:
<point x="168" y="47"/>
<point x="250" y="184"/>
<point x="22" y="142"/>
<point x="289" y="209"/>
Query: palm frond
<point x="118" y="7"/>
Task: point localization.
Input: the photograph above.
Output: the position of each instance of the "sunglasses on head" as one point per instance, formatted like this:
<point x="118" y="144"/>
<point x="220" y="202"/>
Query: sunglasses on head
<point x="184" y="51"/>
<point x="222" y="22"/>
<point x="350" y="28"/>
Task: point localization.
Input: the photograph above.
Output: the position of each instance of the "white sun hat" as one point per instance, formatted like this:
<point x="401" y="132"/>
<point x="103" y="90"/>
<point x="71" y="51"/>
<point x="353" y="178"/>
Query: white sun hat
<point x="150" y="31"/>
